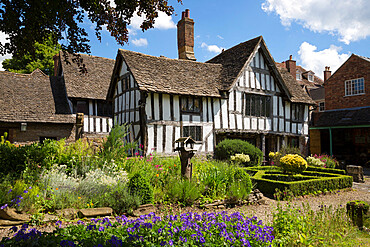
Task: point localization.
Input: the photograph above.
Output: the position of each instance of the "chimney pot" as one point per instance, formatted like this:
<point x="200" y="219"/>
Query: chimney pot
<point x="183" y="15"/>
<point x="327" y="73"/>
<point x="290" y="57"/>
<point x="291" y="66"/>
<point x="187" y="13"/>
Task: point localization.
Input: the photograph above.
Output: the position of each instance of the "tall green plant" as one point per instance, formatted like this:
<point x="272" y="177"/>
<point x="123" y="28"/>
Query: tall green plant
<point x="115" y="147"/>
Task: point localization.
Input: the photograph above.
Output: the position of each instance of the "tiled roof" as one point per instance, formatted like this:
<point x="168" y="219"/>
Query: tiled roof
<point x="177" y="76"/>
<point x="298" y="94"/>
<point x="234" y="59"/>
<point x="160" y="74"/>
<point x="345" y="117"/>
<point x="91" y="85"/>
<point x="317" y="93"/>
<point x="304" y="82"/>
<point x="29" y="98"/>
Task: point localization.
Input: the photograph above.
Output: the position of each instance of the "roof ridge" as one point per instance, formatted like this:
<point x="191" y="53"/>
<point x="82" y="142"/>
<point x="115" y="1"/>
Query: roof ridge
<point x="87" y="55"/>
<point x="167" y="58"/>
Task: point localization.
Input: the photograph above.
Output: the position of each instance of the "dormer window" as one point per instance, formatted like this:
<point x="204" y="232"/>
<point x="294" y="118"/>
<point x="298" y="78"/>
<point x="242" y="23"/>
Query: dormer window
<point x="298" y="75"/>
<point x="310" y="77"/>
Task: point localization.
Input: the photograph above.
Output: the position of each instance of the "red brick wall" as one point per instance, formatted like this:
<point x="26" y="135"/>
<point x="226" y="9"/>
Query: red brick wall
<point x="36" y="130"/>
<point x="353" y="68"/>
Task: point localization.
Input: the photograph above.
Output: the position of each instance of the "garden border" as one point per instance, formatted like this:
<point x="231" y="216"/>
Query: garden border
<point x="322" y="181"/>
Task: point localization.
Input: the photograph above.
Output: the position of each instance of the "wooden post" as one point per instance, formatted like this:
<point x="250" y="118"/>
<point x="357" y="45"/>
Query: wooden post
<point x="186" y="165"/>
<point x="79" y="125"/>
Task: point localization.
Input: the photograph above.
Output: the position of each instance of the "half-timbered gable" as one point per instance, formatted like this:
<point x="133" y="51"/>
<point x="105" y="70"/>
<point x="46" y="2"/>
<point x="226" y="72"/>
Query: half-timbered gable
<point x="86" y="90"/>
<point x="164" y="99"/>
<point x="240" y="93"/>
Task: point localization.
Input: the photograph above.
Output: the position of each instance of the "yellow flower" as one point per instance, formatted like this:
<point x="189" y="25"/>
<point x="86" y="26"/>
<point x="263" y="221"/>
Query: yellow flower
<point x="79" y="197"/>
<point x="157" y="175"/>
<point x="92" y="204"/>
<point x="56" y="188"/>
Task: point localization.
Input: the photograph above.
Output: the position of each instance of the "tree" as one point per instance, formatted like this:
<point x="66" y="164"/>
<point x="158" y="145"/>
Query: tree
<point x="42" y="59"/>
<point x="30" y="21"/>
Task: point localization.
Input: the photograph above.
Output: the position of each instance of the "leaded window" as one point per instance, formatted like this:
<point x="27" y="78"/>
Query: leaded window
<point x="257" y="105"/>
<point x="297" y="112"/>
<point x="190" y="104"/>
<point x="194" y="132"/>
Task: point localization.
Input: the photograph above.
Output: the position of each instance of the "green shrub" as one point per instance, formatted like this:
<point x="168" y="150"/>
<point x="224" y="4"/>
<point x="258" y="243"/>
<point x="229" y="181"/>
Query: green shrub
<point x="183" y="191"/>
<point x="327" y="170"/>
<point x="329" y="161"/>
<point x="120" y="199"/>
<point x="240" y="188"/>
<point x="293" y="163"/>
<point x="226" y="148"/>
<point x="139" y="185"/>
<point x="319" y="181"/>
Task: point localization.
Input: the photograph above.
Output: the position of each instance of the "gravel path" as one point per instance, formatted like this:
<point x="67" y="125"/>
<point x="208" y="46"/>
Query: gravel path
<point x="360" y="191"/>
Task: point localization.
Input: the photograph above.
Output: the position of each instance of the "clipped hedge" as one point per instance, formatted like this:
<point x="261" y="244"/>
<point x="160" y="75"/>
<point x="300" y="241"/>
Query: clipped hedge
<point x="226" y="148"/>
<point x="308" y="182"/>
<point x="327" y="170"/>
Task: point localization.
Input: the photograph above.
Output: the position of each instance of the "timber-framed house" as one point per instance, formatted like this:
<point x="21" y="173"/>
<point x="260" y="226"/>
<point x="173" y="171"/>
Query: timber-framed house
<point x="240" y="93"/>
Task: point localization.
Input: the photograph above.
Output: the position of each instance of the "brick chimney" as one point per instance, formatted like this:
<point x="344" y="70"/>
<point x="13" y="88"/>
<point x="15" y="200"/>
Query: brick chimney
<point x="56" y="64"/>
<point x="291" y="66"/>
<point x="327" y="73"/>
<point x="185" y="36"/>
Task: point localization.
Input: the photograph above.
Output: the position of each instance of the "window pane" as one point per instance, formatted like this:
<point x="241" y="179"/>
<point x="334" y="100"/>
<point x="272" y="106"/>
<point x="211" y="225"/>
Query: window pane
<point x="263" y="106"/>
<point x="247" y="105"/>
<point x="196" y="105"/>
<point x="183" y="103"/>
<point x="268" y="106"/>
<point x="82" y="107"/>
<point x="253" y="107"/>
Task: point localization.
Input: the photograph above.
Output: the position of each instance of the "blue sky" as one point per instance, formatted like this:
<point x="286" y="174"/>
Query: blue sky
<point x="317" y="33"/>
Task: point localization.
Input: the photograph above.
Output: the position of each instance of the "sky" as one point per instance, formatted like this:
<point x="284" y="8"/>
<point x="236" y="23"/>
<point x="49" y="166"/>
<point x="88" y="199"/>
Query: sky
<point x="316" y="33"/>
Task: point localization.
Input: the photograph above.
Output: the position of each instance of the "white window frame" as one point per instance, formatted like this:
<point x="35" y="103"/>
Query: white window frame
<point x="321" y="106"/>
<point x="354" y="87"/>
<point x="298" y="75"/>
<point x="310" y="77"/>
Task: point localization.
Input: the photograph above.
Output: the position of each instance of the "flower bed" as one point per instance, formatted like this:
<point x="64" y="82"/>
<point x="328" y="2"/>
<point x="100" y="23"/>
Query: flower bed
<point x="307" y="183"/>
<point x="190" y="229"/>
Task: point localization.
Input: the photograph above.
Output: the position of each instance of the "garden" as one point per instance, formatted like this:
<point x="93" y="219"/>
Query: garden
<point x="40" y="180"/>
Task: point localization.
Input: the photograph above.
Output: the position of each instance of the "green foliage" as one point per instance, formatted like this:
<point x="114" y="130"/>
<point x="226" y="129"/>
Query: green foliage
<point x="41" y="59"/>
<point x="120" y="199"/>
<point x="28" y="22"/>
<point x="269" y="179"/>
<point x="139" y="185"/>
<point x="326" y="170"/>
<point x="114" y="147"/>
<point x="240" y="159"/>
<point x="293" y="163"/>
<point x="289" y="150"/>
<point x="296" y="226"/>
<point x="227" y="148"/>
<point x="183" y="191"/>
<point x="329" y="161"/>
<point x="312" y="161"/>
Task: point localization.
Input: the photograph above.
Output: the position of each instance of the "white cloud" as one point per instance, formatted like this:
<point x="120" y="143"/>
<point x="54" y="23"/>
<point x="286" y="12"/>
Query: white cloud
<point x="220" y="37"/>
<point x="316" y="61"/>
<point x="140" y="42"/>
<point x="3" y="37"/>
<point x="212" y="48"/>
<point x="350" y="19"/>
<point x="163" y="21"/>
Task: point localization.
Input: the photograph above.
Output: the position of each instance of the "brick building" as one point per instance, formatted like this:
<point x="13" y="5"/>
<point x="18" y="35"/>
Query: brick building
<point x="343" y="129"/>
<point x="32" y="108"/>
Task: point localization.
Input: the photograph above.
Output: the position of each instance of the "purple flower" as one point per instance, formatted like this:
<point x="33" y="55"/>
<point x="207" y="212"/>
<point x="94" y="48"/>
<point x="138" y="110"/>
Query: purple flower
<point x="101" y="228"/>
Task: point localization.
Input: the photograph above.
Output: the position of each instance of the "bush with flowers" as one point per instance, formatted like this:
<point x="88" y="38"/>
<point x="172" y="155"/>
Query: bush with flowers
<point x="328" y="161"/>
<point x="293" y="163"/>
<point x="312" y="161"/>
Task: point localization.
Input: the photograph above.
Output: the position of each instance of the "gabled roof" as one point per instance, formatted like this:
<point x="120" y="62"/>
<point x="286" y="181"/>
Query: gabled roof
<point x="299" y="95"/>
<point x="234" y="59"/>
<point x="176" y="76"/>
<point x="364" y="58"/>
<point x="29" y="98"/>
<point x="304" y="82"/>
<point x="91" y="85"/>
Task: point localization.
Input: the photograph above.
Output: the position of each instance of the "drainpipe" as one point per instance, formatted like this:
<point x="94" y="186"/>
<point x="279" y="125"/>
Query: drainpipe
<point x="331" y="142"/>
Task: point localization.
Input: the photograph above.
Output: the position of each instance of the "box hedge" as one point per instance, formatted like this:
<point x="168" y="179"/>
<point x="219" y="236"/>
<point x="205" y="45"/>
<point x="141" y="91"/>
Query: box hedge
<point x="226" y="148"/>
<point x="306" y="183"/>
